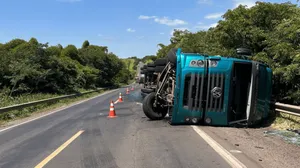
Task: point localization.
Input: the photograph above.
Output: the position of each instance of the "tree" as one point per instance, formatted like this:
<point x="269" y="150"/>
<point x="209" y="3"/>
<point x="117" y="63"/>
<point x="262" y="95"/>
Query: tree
<point x="72" y="52"/>
<point x="27" y="67"/>
<point x="85" y="44"/>
<point x="33" y="41"/>
<point x="270" y="30"/>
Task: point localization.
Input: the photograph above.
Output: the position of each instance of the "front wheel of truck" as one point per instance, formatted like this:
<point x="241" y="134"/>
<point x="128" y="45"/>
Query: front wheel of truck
<point x="150" y="111"/>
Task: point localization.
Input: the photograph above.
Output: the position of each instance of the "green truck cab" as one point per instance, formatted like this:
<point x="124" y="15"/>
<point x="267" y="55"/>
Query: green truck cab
<point x="212" y="90"/>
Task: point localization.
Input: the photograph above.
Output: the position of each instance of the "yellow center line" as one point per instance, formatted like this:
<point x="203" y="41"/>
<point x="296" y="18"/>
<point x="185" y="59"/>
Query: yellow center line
<point x="58" y="150"/>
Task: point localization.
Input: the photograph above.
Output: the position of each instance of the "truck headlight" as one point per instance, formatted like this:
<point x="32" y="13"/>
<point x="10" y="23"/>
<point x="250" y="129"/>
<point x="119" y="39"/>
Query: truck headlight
<point x="208" y="120"/>
<point x="200" y="63"/>
<point x="195" y="120"/>
<point x="213" y="63"/>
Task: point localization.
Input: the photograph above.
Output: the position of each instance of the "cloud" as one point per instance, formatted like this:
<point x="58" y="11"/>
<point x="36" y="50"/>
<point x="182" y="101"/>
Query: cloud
<point x="130" y="30"/>
<point x="248" y="3"/>
<point x="105" y="38"/>
<point x="170" y="22"/>
<point x="204" y="1"/>
<point x="161" y="33"/>
<point x="205" y="27"/>
<point x="164" y="20"/>
<point x="181" y="28"/>
<point x="69" y="1"/>
<point x="213" y="16"/>
<point x="214" y="25"/>
<point x="140" y="37"/>
<point x="143" y="17"/>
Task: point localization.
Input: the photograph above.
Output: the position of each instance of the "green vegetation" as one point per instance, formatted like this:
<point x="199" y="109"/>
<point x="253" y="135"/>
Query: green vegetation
<point x="270" y="30"/>
<point x="130" y="67"/>
<point x="149" y="58"/>
<point x="41" y="108"/>
<point x="132" y="62"/>
<point x="285" y="121"/>
<point x="32" y="70"/>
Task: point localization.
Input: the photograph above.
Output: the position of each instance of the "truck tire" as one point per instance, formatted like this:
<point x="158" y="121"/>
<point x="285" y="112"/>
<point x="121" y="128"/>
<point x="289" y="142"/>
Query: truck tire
<point x="144" y="90"/>
<point x="151" y="64"/>
<point x="159" y="68"/>
<point x="161" y="62"/>
<point x="144" y="94"/>
<point x="172" y="55"/>
<point x="151" y="112"/>
<point x="150" y="69"/>
<point x="243" y="51"/>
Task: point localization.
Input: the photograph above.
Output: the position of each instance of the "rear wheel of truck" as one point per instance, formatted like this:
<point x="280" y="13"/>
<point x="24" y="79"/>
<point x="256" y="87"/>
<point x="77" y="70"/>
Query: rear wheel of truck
<point x="151" y="64"/>
<point x="150" y="111"/>
<point x="151" y="69"/>
<point x="161" y="62"/>
<point x="159" y="68"/>
<point x="144" y="90"/>
<point x="172" y="55"/>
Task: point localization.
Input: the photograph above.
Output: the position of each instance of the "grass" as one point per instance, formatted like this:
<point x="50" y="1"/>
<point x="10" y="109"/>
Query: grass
<point x="8" y="101"/>
<point x="29" y="97"/>
<point x="286" y="121"/>
<point x="28" y="111"/>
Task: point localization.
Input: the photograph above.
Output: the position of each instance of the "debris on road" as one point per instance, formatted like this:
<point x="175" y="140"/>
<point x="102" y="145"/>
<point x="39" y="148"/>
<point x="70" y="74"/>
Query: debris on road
<point x="289" y="136"/>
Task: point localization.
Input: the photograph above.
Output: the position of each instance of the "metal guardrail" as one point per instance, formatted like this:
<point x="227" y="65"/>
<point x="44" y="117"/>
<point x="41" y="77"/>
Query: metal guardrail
<point x="288" y="109"/>
<point x="23" y="105"/>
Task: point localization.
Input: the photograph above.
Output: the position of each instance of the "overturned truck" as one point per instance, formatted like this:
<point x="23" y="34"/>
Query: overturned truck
<point x="199" y="89"/>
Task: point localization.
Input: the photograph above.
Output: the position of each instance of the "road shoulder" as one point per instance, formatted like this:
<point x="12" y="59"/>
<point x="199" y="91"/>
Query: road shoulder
<point x="257" y="149"/>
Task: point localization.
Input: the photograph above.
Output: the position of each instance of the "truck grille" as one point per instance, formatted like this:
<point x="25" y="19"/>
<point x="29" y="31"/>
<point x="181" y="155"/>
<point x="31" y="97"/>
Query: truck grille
<point x="216" y="83"/>
<point x="193" y="91"/>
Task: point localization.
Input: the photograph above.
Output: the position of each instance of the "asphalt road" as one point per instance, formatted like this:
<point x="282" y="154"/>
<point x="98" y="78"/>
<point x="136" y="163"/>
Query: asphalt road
<point x="127" y="141"/>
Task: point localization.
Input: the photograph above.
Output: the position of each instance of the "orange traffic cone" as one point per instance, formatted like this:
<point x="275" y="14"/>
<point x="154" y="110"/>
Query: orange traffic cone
<point x="127" y="91"/>
<point x="112" y="113"/>
<point x="120" y="98"/>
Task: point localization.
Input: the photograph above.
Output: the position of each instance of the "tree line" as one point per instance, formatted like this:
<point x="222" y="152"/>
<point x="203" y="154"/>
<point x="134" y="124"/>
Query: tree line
<point x="270" y="30"/>
<point x="33" y="67"/>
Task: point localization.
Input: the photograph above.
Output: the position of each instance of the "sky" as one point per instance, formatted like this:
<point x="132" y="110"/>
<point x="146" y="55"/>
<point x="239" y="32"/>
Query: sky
<point x="127" y="27"/>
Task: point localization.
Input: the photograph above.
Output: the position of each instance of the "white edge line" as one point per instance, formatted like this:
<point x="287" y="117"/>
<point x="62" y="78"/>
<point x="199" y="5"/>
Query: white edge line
<point x="228" y="157"/>
<point x="55" y="111"/>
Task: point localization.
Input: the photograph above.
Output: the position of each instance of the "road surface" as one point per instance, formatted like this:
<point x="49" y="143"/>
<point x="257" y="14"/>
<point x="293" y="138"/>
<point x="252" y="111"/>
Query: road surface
<point x="82" y="136"/>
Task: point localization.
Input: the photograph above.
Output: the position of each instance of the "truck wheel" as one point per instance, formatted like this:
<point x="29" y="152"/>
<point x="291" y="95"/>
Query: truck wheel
<point x="151" y="112"/>
<point x="150" y="69"/>
<point x="151" y="64"/>
<point x="243" y="51"/>
<point x="172" y="55"/>
<point x="144" y="90"/>
<point x="159" y="68"/>
<point x="161" y="62"/>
